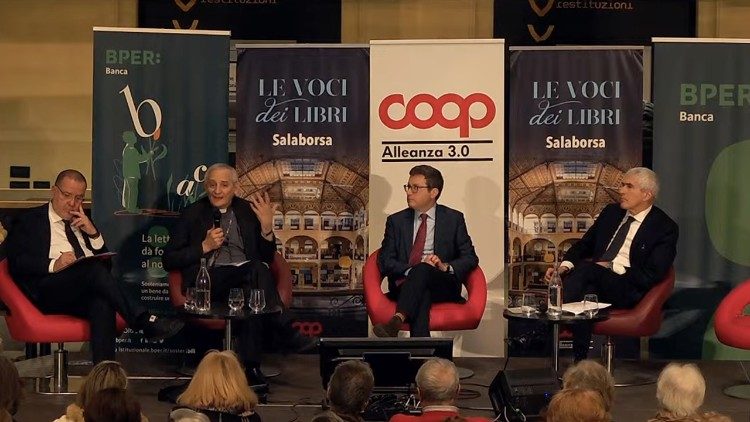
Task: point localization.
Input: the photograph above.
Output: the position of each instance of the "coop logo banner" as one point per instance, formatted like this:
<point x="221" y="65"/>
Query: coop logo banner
<point x="152" y="142"/>
<point x="435" y="112"/>
<point x="438" y="110"/>
<point x="441" y="103"/>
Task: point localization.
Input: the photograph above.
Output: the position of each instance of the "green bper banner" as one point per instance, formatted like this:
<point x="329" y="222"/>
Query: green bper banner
<point x="159" y="119"/>
<point x="702" y="156"/>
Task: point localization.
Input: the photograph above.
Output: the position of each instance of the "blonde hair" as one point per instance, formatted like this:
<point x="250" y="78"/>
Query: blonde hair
<point x="105" y="374"/>
<point x="219" y="383"/>
<point x="577" y="405"/>
<point x="591" y="375"/>
<point x="680" y="389"/>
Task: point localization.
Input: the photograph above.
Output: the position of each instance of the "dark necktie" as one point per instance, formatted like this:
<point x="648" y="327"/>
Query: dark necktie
<point x="73" y="240"/>
<point x="415" y="256"/>
<point x="617" y="241"/>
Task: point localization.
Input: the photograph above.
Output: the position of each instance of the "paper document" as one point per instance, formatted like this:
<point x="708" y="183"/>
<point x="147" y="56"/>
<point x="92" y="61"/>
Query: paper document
<point x="579" y="308"/>
<point x="102" y="256"/>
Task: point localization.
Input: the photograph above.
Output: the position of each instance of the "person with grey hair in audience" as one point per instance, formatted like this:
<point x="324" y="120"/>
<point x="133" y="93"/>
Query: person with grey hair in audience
<point x="591" y="375"/>
<point x="438" y="387"/>
<point x="680" y="391"/>
<point x="348" y="392"/>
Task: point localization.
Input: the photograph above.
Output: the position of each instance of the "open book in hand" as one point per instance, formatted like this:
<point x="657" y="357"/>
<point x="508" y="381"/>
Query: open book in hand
<point x="579" y="308"/>
<point x="101" y="256"/>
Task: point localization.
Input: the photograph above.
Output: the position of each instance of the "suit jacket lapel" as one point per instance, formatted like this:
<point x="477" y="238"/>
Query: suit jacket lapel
<point x="439" y="232"/>
<point x="408" y="239"/>
<point x="241" y="217"/>
<point x="645" y="228"/>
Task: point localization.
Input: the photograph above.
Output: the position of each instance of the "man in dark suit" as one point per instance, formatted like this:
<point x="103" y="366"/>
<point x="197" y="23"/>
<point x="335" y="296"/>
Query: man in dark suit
<point x="43" y="245"/>
<point x="238" y="250"/>
<point x="426" y="254"/>
<point x="627" y="250"/>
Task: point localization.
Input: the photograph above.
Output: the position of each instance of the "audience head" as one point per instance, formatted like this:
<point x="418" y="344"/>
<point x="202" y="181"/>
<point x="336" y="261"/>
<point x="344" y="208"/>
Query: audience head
<point x="221" y="184"/>
<point x="680" y="389"/>
<point x="349" y="387"/>
<point x="112" y="405"/>
<point x="187" y="415"/>
<point x="591" y="375"/>
<point x="577" y="405"/>
<point x="68" y="193"/>
<point x="11" y="389"/>
<point x="437" y="382"/>
<point x="326" y="417"/>
<point x="219" y="383"/>
<point x="105" y="374"/>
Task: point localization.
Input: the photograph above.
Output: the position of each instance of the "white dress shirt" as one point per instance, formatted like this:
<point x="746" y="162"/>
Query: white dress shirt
<point x="59" y="242"/>
<point x="622" y="261"/>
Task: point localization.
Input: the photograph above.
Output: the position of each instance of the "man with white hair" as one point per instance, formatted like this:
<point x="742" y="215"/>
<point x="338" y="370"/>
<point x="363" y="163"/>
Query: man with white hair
<point x="629" y="249"/>
<point x="236" y="238"/>
<point x="438" y="387"/>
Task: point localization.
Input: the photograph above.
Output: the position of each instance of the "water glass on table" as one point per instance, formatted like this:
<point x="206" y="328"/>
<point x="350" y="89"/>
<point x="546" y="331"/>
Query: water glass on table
<point x="236" y="299"/>
<point x="590" y="305"/>
<point x="189" y="299"/>
<point x="257" y="300"/>
<point x="529" y="304"/>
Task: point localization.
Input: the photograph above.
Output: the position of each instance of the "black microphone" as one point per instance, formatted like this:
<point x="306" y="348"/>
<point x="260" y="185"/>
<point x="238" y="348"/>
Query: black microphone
<point x="217" y="219"/>
<point x="217" y="225"/>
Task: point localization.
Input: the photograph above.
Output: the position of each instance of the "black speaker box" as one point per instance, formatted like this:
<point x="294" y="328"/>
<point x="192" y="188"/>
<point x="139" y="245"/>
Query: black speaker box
<point x="517" y="392"/>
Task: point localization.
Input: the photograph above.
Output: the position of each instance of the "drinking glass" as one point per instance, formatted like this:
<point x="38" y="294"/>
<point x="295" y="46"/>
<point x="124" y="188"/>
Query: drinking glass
<point x="257" y="300"/>
<point x="529" y="304"/>
<point x="590" y="305"/>
<point x="236" y="299"/>
<point x="190" y="299"/>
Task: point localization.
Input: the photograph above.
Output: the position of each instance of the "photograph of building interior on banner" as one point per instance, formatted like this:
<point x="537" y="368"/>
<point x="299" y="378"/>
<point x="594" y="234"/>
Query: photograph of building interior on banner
<point x="575" y="126"/>
<point x="452" y="121"/>
<point x="302" y="136"/>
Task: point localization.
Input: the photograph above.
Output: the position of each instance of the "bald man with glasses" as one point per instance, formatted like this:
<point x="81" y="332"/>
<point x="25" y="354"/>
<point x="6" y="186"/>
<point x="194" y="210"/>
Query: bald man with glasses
<point x="45" y="241"/>
<point x="426" y="254"/>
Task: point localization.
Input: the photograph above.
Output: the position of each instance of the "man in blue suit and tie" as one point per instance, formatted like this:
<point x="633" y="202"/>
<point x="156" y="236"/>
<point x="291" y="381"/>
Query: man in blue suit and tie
<point x="629" y="249"/>
<point x="426" y="254"/>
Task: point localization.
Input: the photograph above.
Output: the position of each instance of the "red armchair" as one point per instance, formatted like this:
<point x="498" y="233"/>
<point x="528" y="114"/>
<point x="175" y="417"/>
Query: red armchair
<point x="732" y="328"/>
<point x="443" y="316"/>
<point x="280" y="269"/>
<point x="642" y="321"/>
<point x="26" y="323"/>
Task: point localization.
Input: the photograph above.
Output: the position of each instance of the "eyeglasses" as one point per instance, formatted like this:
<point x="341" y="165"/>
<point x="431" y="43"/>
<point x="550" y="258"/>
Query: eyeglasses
<point x="68" y="196"/>
<point x="414" y="188"/>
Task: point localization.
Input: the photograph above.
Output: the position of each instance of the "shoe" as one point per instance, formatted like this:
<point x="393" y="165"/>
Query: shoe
<point x="255" y="377"/>
<point x="389" y="329"/>
<point x="258" y="382"/>
<point x="159" y="328"/>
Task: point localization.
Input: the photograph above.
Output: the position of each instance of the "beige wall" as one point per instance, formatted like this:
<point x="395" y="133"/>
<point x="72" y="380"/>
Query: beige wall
<point x="723" y="18"/>
<point x="45" y="71"/>
<point x="46" y="82"/>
